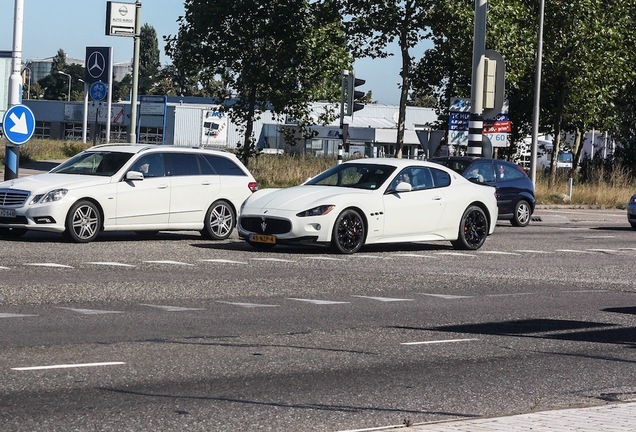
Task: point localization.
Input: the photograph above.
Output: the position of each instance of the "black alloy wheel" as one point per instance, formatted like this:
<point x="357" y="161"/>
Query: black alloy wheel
<point x="348" y="232"/>
<point x="473" y="229"/>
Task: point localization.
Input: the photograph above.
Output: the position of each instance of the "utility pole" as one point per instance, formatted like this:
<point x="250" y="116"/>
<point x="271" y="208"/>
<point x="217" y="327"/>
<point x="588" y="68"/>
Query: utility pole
<point x="12" y="152"/>
<point x="476" y="121"/>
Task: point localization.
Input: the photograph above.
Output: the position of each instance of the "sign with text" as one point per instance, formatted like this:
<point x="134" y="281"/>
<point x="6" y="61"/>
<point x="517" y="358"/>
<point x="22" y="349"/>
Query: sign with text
<point x="120" y="19"/>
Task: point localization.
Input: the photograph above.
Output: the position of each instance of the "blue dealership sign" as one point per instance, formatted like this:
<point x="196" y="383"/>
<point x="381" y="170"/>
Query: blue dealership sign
<point x="18" y="124"/>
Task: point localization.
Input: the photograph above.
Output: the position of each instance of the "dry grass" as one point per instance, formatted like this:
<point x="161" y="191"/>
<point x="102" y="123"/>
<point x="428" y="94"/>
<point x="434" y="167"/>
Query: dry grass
<point x="601" y="189"/>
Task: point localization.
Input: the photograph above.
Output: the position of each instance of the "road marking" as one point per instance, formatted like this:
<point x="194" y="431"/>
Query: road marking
<point x="169" y="262"/>
<point x="4" y="268"/>
<point x="273" y="259"/>
<point x="414" y="255"/>
<point x="90" y="311"/>
<point x="173" y="308"/>
<point x="324" y="258"/>
<point x="67" y="366"/>
<point x="509" y="294"/>
<point x="585" y="291"/>
<point x="599" y="237"/>
<point x="629" y="249"/>
<point x="532" y="251"/>
<point x="573" y="251"/>
<point x="49" y="265"/>
<point x="498" y="253"/>
<point x="111" y="263"/>
<point x="437" y="341"/>
<point x="446" y="296"/>
<point x="247" y="305"/>
<point x="10" y="315"/>
<point x="607" y="251"/>
<point x="318" y="302"/>
<point x="370" y="256"/>
<point x="383" y="299"/>
<point x="456" y="254"/>
<point x="224" y="261"/>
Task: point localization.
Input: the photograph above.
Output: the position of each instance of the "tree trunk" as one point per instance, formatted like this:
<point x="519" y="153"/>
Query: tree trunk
<point x="578" y="147"/>
<point x="249" y="126"/>
<point x="405" y="73"/>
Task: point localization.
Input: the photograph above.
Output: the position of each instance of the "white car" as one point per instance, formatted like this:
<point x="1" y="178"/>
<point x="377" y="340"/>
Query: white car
<point x="142" y="188"/>
<point x="369" y="201"/>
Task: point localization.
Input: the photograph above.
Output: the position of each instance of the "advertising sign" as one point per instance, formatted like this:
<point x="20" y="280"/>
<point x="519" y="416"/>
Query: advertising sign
<point x="214" y="128"/>
<point x="120" y="19"/>
<point x="496" y="129"/>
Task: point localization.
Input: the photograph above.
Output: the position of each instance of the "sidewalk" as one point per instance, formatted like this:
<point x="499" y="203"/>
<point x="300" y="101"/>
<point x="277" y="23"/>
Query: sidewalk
<point x="615" y="417"/>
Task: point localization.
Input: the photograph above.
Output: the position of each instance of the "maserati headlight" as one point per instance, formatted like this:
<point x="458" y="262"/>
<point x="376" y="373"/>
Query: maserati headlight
<point x="54" y="195"/>
<point x="317" y="211"/>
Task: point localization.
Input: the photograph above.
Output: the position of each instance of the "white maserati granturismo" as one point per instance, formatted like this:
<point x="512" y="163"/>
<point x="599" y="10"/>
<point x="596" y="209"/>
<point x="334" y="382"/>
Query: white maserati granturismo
<point x="371" y="201"/>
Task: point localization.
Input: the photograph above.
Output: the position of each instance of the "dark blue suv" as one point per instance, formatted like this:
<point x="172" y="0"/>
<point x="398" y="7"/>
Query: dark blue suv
<point x="515" y="191"/>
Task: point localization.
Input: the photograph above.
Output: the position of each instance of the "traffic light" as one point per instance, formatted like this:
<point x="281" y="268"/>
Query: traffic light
<point x="354" y="96"/>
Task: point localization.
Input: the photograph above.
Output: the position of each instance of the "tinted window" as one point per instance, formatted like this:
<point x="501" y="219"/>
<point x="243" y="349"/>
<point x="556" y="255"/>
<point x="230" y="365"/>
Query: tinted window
<point x="483" y="169"/>
<point x="151" y="165"/>
<point x="183" y="164"/>
<point x="509" y="172"/>
<point x="224" y="166"/>
<point x="440" y="178"/>
<point x="206" y="168"/>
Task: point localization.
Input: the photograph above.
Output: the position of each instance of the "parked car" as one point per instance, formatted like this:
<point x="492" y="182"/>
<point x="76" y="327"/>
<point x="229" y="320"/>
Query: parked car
<point x="631" y="211"/>
<point x="371" y="201"/>
<point x="515" y="190"/>
<point x="143" y="188"/>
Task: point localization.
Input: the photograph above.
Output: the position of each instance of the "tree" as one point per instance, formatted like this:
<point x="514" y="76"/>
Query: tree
<point x="278" y="55"/>
<point x="148" y="59"/>
<point x="55" y="85"/>
<point x="585" y="64"/>
<point x="372" y="25"/>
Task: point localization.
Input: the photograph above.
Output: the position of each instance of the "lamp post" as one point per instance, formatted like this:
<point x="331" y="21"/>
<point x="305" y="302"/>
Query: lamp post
<point x="68" y="98"/>
<point x="28" y="70"/>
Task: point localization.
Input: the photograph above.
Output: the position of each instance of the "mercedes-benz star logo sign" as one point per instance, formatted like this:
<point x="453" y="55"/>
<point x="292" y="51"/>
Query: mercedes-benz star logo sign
<point x="96" y="64"/>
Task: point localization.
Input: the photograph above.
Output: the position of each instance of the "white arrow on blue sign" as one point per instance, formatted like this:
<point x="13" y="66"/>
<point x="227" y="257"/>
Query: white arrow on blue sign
<point x="18" y="124"/>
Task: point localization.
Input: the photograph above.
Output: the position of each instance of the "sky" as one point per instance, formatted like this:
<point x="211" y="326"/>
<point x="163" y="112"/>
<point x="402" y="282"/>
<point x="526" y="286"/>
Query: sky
<point x="73" y="25"/>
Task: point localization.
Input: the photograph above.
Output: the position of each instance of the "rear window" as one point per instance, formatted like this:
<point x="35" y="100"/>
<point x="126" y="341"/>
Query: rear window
<point x="224" y="166"/>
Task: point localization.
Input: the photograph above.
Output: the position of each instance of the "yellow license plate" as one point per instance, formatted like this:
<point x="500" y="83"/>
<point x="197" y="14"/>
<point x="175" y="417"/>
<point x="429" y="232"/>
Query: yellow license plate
<point x="263" y="238"/>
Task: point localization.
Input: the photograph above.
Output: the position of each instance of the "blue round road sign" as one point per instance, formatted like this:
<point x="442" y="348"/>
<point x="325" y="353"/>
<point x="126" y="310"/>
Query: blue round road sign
<point x="18" y="124"/>
<point x="98" y="91"/>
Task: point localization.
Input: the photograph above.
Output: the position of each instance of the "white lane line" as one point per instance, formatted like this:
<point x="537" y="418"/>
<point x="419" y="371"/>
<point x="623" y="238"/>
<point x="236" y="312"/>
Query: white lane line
<point x="224" y="261"/>
<point x="437" y="342"/>
<point x="585" y="291"/>
<point x="532" y="251"/>
<point x="509" y="294"/>
<point x="370" y="256"/>
<point x="48" y="265"/>
<point x="446" y="296"/>
<point x="414" y="255"/>
<point x="110" y="263"/>
<point x="172" y="308"/>
<point x="4" y="268"/>
<point x="67" y="366"/>
<point x="318" y="302"/>
<point x="168" y="262"/>
<point x="608" y="251"/>
<point x="247" y="305"/>
<point x="10" y="315"/>
<point x="90" y="311"/>
<point x="273" y="259"/>
<point x="324" y="258"/>
<point x="574" y="251"/>
<point x="460" y="254"/>
<point x="383" y="299"/>
<point x="599" y="237"/>
<point x="498" y="253"/>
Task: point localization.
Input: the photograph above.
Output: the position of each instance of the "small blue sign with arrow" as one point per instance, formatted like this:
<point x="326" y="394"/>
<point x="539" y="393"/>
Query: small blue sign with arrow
<point x="18" y="124"/>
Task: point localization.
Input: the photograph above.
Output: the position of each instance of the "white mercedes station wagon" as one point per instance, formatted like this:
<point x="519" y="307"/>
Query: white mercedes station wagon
<point x="141" y="188"/>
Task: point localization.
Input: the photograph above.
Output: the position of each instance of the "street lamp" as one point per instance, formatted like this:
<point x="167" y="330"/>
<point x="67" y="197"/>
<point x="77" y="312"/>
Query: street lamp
<point x="27" y="69"/>
<point x="69" y="84"/>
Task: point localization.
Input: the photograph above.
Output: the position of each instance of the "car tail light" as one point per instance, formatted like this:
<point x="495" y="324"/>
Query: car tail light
<point x="253" y="186"/>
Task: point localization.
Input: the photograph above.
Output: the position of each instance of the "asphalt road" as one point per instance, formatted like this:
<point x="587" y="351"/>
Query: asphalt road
<point x="181" y="333"/>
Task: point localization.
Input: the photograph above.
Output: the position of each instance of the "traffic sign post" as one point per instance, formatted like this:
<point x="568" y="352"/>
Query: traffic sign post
<point x="98" y="91"/>
<point x="18" y="124"/>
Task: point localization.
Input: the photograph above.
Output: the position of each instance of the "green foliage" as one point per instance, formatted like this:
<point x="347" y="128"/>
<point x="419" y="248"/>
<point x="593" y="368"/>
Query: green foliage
<point x="372" y="25"/>
<point x="277" y="55"/>
<point x="148" y="60"/>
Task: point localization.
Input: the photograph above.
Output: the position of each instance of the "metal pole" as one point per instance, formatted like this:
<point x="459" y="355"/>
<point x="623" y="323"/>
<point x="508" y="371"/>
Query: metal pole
<point x="12" y="152"/>
<point x="476" y="122"/>
<point x="132" y="133"/>
<point x="85" y="119"/>
<point x="109" y="103"/>
<point x="537" y="99"/>
<point x="68" y="96"/>
<point x="343" y="130"/>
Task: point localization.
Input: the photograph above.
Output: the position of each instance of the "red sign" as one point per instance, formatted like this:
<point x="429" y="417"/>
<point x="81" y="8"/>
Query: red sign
<point x="497" y="127"/>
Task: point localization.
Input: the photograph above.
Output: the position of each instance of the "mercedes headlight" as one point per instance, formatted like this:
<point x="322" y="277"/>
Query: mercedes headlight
<point x="54" y="195"/>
